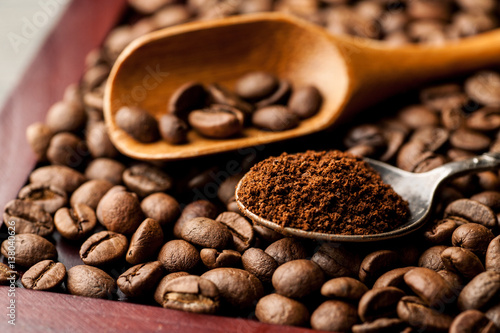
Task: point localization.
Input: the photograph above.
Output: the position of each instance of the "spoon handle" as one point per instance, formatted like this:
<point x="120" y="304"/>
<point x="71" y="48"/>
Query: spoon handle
<point x="479" y="163"/>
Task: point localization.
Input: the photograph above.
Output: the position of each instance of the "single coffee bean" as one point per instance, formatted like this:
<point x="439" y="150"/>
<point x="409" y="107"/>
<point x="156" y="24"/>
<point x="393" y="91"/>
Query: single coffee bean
<point x="417" y="116"/>
<point x="411" y="155"/>
<point x="484" y="120"/>
<point x="49" y="198"/>
<point x="239" y="288"/>
<point x="39" y="136"/>
<point x="469" y="140"/>
<point x="305" y="102"/>
<point x="221" y="95"/>
<point x="138" y="123"/>
<point x="103" y="248"/>
<point x="379" y="303"/>
<point x="206" y="232"/>
<point x="440" y="231"/>
<point x="44" y="275"/>
<point x="191" y="293"/>
<point x="297" y="278"/>
<point x="492" y="260"/>
<point x="89" y="281"/>
<point x="462" y="261"/>
<point x="178" y="255"/>
<point x="488" y="198"/>
<point x="66" y="149"/>
<point x="160" y="289"/>
<point x="488" y="180"/>
<point x="121" y="212"/>
<point x="75" y="223"/>
<point x="433" y="137"/>
<point x="334" y="316"/>
<point x="429" y="286"/>
<point x="336" y="261"/>
<point x="60" y="176"/>
<point x="256" y="85"/>
<point x="98" y="142"/>
<point x="203" y="178"/>
<point x="105" y="168"/>
<point x="482" y="291"/>
<point x="161" y="207"/>
<point x="111" y="192"/>
<point x="344" y="288"/>
<point x="145" y="242"/>
<point x="227" y="188"/>
<point x="483" y="87"/>
<point x="200" y="208"/>
<point x="145" y="179"/>
<point x="278" y="97"/>
<point x="173" y="129"/>
<point x="65" y="117"/>
<point x="274" y="118"/>
<point x="367" y="134"/>
<point x="452" y="118"/>
<point x="413" y="311"/>
<point x="29" y="249"/>
<point x="218" y="121"/>
<point x="240" y="228"/>
<point x="259" y="263"/>
<point x="188" y="97"/>
<point x="286" y="249"/>
<point x="281" y="310"/>
<point x="380" y="325"/>
<point x="90" y="192"/>
<point x="263" y="234"/>
<point x="472" y="321"/>
<point x="393" y="278"/>
<point x="493" y="314"/>
<point x="431" y="258"/>
<point x="212" y="258"/>
<point x="377" y="263"/>
<point x="7" y="275"/>
<point x="140" y="279"/>
<point x="28" y="217"/>
<point x="474" y="237"/>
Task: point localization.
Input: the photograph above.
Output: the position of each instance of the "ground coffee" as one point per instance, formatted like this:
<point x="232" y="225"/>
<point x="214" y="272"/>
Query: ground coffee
<point x="331" y="192"/>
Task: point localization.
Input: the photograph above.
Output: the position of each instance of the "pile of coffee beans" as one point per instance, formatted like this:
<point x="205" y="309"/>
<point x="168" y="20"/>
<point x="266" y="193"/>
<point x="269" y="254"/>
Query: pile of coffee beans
<point x="260" y="99"/>
<point x="94" y="223"/>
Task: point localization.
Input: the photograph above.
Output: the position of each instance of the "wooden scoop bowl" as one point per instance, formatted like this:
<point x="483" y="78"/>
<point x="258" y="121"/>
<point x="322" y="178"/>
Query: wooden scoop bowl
<point x="351" y="73"/>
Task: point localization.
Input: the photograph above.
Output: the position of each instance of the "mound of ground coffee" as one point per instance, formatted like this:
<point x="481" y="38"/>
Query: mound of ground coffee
<point x="329" y="192"/>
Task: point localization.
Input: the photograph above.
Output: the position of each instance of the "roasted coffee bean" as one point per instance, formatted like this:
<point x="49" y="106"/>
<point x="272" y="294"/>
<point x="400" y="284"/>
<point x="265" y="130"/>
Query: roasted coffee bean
<point x="28" y="217"/>
<point x="145" y="242"/>
<point x="472" y="211"/>
<point x="281" y="310"/>
<point x="484" y="87"/>
<point x="178" y="255"/>
<point x="121" y="212"/>
<point x="66" y="149"/>
<point x="278" y="97"/>
<point x="286" y="249"/>
<point x="212" y="258"/>
<point x="65" y="117"/>
<point x="484" y="120"/>
<point x="488" y="180"/>
<point x="413" y="311"/>
<point x="334" y="316"/>
<point x="411" y="155"/>
<point x="188" y="97"/>
<point x="228" y="187"/>
<point x="432" y="137"/>
<point x="200" y="208"/>
<point x="49" y="198"/>
<point x="336" y="261"/>
<point x="462" y="261"/>
<point x="440" y="231"/>
<point x="191" y="293"/>
<point x="369" y="135"/>
<point x="218" y="121"/>
<point x="221" y="95"/>
<point x="259" y="263"/>
<point x="173" y="129"/>
<point x="90" y="192"/>
<point x="297" y="278"/>
<point x="380" y="325"/>
<point x="28" y="249"/>
<point x="417" y="116"/>
<point x="393" y="278"/>
<point x="305" y="102"/>
<point x="241" y="229"/>
<point x="111" y="192"/>
<point x="138" y="123"/>
<point x="493" y="314"/>
<point x="452" y="118"/>
<point x="98" y="141"/>
<point x="44" y="275"/>
<point x="429" y="286"/>
<point x="376" y="264"/>
<point x="103" y="248"/>
<point x="160" y="289"/>
<point x="488" y="198"/>
<point x="469" y="140"/>
<point x="429" y="10"/>
<point x="89" y="281"/>
<point x="105" y="168"/>
<point x="140" y="279"/>
<point x="206" y="232"/>
<point x="161" y="207"/>
<point x="274" y="118"/>
<point x="38" y="136"/>
<point x="344" y="288"/>
<point x="474" y="237"/>
<point x="75" y="223"/>
<point x="444" y="96"/>
<point x="430" y="162"/>
<point x="472" y="321"/>
<point x="264" y="234"/>
<point x="431" y="258"/>
<point x="453" y="279"/>
<point x="145" y="179"/>
<point x="7" y="275"/>
<point x="256" y="85"/>
<point x="482" y="291"/>
<point x="379" y="303"/>
<point x="60" y="176"/>
<point x="239" y="288"/>
<point x="492" y="260"/>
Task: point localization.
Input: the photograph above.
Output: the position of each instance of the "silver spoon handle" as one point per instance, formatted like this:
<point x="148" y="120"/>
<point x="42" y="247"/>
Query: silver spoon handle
<point x="479" y="163"/>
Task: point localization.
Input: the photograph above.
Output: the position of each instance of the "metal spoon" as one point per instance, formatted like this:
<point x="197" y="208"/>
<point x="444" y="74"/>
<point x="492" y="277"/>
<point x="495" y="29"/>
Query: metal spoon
<point x="418" y="189"/>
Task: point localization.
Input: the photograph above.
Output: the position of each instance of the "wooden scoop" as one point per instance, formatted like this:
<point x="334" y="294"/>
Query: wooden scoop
<point x="351" y="73"/>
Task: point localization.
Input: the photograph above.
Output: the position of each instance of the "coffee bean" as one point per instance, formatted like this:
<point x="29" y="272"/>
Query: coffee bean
<point x="263" y="234"/>
<point x="145" y="242"/>
<point x="188" y="97"/>
<point x="297" y="278"/>
<point x="377" y="263"/>
<point x="462" y="261"/>
<point x="49" y="198"/>
<point x="488" y="180"/>
<point x="452" y="118"/>
<point x="145" y="179"/>
<point x="75" y="223"/>
<point x="103" y="248"/>
<point x="417" y="116"/>
<point x="200" y="208"/>
<point x="206" y="232"/>
<point x="256" y="85"/>
<point x="344" y="288"/>
<point x="221" y="95"/>
<point x="259" y="263"/>
<point x="474" y="237"/>
<point x="493" y="314"/>
<point x="212" y="258"/>
<point x="472" y="321"/>
<point x="469" y="140"/>
<point x="413" y="311"/>
<point x="173" y="129"/>
<point x="274" y="118"/>
<point x="28" y="217"/>
<point x="60" y="176"/>
<point x="278" y="97"/>
<point x="239" y="288"/>
<point x="161" y="207"/>
<point x="453" y="279"/>
<point x="138" y="123"/>
<point x="240" y="228"/>
<point x="369" y="135"/>
<point x="65" y="117"/>
<point x="484" y="120"/>
<point x="140" y="279"/>
<point x="89" y="281"/>
<point x="90" y="192"/>
<point x="38" y="136"/>
<point x="334" y="316"/>
<point x="160" y="289"/>
<point x="488" y="198"/>
<point x="7" y="276"/>
<point x="492" y="260"/>
<point x="411" y="155"/>
<point x="218" y="121"/>
<point x="286" y="249"/>
<point x="482" y="291"/>
<point x="305" y="102"/>
<point x="431" y="258"/>
<point x="432" y="137"/>
<point x="336" y="261"/>
<point x="178" y="255"/>
<point x="472" y="211"/>
<point x="121" y="212"/>
<point x="379" y="303"/>
<point x="281" y="310"/>
<point x="111" y="192"/>
<point x="44" y="275"/>
<point x="429" y="286"/>
<point x="227" y="188"/>
<point x="29" y="249"/>
<point x="66" y="149"/>
<point x="105" y="168"/>
<point x="98" y="141"/>
<point x="443" y="97"/>
<point x="393" y="278"/>
<point x="440" y="231"/>
<point x="379" y="326"/>
<point x="484" y="87"/>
